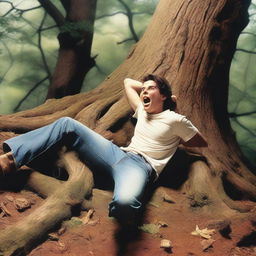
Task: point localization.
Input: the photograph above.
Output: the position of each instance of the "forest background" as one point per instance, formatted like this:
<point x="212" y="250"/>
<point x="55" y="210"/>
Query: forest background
<point x="29" y="50"/>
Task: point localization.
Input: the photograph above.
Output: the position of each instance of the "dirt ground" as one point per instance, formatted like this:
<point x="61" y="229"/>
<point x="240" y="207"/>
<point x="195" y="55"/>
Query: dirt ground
<point x="166" y="217"/>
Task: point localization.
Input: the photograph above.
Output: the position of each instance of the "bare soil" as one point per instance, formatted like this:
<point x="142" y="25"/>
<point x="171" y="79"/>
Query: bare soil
<point x="169" y="219"/>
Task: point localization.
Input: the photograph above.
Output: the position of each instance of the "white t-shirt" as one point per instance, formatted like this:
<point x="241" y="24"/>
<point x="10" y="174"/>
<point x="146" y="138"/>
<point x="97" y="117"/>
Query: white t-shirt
<point x="157" y="136"/>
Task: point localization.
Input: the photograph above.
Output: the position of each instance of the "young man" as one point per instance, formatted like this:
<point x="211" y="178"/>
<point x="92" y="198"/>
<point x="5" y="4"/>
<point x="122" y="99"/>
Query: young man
<point x="158" y="132"/>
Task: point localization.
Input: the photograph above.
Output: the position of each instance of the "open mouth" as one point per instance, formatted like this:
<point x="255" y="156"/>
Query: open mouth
<point x="146" y="100"/>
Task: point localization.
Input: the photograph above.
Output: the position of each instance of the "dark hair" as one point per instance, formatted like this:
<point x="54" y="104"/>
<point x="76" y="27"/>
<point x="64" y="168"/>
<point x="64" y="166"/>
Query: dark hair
<point x="164" y="88"/>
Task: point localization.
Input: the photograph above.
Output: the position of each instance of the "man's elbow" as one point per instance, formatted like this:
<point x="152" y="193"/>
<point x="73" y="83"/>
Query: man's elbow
<point x="203" y="143"/>
<point x="127" y="82"/>
<point x="197" y="141"/>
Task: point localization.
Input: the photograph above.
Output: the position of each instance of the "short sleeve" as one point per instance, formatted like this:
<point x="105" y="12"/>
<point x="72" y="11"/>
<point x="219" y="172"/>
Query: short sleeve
<point x="185" y="129"/>
<point x="135" y="115"/>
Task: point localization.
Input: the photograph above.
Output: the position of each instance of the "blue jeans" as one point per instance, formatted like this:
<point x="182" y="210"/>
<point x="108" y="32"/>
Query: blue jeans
<point x="130" y="171"/>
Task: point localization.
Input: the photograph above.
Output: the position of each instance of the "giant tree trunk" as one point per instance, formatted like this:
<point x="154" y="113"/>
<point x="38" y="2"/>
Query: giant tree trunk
<point x="191" y="43"/>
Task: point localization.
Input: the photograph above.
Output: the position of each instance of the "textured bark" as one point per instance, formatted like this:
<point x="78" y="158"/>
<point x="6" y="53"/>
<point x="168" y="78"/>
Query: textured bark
<point x="191" y="43"/>
<point x="74" y="59"/>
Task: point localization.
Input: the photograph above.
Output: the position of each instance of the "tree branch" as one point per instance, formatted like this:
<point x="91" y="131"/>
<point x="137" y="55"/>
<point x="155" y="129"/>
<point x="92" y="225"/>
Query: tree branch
<point x="110" y="15"/>
<point x="48" y="28"/>
<point x="246" y="51"/>
<point x="29" y="92"/>
<point x="125" y="40"/>
<point x="244" y="127"/>
<point x="130" y="20"/>
<point x="120" y="12"/>
<point x="20" y="11"/>
<point x="41" y="48"/>
<point x="52" y="10"/>
<point x="65" y="4"/>
<point x="234" y="115"/>
<point x="248" y="33"/>
<point x="11" y="61"/>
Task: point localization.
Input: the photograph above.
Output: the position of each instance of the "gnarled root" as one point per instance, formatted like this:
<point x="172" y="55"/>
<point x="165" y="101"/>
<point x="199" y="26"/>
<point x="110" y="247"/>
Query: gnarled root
<point x="61" y="197"/>
<point x="201" y="189"/>
<point x="206" y="191"/>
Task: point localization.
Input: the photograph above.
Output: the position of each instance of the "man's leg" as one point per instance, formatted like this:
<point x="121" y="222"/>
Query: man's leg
<point x="131" y="176"/>
<point x="91" y="147"/>
<point x="130" y="172"/>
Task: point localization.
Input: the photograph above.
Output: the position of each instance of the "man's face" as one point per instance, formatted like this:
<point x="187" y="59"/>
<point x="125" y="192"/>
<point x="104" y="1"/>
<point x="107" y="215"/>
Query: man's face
<point x="151" y="97"/>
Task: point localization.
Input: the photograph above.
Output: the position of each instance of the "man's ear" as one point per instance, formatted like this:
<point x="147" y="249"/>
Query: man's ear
<point x="164" y="97"/>
<point x="174" y="98"/>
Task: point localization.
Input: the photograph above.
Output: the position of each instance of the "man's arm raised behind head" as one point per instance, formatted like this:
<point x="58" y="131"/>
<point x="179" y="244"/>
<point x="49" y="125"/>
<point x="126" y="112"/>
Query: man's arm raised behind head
<point x="132" y="90"/>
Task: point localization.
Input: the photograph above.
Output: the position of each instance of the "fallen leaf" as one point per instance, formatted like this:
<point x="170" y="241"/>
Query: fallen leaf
<point x="22" y="203"/>
<point x="150" y="228"/>
<point x="88" y="216"/>
<point x="205" y="233"/>
<point x="167" y="244"/>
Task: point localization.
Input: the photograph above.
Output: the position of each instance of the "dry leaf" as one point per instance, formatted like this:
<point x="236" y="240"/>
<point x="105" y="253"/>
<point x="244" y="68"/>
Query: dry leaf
<point x="88" y="216"/>
<point x="205" y="233"/>
<point x="22" y="203"/>
<point x="167" y="244"/>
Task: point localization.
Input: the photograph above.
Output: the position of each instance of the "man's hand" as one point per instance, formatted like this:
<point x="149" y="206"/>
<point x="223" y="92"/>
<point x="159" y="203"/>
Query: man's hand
<point x="196" y="141"/>
<point x="132" y="90"/>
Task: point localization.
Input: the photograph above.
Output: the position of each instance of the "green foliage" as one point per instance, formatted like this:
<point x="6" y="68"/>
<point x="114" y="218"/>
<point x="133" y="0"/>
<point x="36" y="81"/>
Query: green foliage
<point x="75" y="29"/>
<point x="6" y="27"/>
<point x="242" y="92"/>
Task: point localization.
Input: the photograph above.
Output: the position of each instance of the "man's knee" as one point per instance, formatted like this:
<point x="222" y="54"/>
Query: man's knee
<point x="65" y="120"/>
<point x="66" y="124"/>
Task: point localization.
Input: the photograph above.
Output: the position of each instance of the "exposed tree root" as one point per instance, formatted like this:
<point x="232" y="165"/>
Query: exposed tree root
<point x="43" y="185"/>
<point x="206" y="191"/>
<point x="242" y="185"/>
<point x="202" y="191"/>
<point x="239" y="206"/>
<point x="22" y="236"/>
<point x="47" y="113"/>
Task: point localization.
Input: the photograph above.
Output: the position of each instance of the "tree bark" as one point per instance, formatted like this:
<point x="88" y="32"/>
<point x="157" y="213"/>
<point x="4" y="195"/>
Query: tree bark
<point x="75" y="39"/>
<point x="191" y="43"/>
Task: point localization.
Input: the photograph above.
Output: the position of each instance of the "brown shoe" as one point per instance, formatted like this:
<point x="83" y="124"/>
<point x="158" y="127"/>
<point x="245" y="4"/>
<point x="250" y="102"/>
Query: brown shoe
<point x="7" y="164"/>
